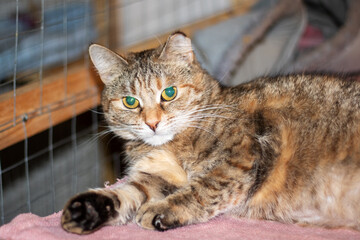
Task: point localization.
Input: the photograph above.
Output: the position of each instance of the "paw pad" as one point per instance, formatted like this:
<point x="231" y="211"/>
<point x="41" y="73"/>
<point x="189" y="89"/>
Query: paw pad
<point x="86" y="212"/>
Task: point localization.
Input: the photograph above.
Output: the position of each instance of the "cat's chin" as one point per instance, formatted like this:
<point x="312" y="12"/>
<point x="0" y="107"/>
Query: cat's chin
<point x="158" y="140"/>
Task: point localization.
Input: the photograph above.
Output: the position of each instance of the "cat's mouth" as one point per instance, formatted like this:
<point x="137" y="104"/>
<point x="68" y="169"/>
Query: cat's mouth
<point x="157" y="135"/>
<point x="158" y="139"/>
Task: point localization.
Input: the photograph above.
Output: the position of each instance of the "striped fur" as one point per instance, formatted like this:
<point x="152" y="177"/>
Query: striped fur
<point x="283" y="148"/>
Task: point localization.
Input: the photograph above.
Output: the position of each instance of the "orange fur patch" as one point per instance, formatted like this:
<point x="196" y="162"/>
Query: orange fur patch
<point x="277" y="178"/>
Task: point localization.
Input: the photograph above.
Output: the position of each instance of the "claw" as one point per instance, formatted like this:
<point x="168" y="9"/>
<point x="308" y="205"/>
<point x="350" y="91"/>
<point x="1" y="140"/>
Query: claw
<point x="76" y="204"/>
<point x="158" y="223"/>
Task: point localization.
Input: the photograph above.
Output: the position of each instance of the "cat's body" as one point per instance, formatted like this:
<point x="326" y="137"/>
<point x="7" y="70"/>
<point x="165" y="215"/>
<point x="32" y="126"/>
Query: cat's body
<point x="284" y="148"/>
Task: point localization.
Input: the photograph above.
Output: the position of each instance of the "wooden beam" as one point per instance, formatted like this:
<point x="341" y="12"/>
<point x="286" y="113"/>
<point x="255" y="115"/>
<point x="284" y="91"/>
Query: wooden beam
<point x="46" y="120"/>
<point x="83" y="93"/>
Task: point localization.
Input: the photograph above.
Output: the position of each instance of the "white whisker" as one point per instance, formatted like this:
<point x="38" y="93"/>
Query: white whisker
<point x="96" y="136"/>
<point x="202" y="128"/>
<point x="94" y="111"/>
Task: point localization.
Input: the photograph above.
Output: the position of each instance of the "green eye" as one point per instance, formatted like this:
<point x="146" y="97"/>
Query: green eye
<point x="169" y="93"/>
<point x="130" y="102"/>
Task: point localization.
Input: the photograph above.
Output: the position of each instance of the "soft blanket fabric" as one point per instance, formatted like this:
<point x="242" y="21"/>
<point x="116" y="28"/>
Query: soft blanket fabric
<point x="29" y="226"/>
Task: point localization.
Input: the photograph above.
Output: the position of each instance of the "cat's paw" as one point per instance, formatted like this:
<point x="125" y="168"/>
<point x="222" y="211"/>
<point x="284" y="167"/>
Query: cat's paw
<point x="86" y="212"/>
<point x="157" y="216"/>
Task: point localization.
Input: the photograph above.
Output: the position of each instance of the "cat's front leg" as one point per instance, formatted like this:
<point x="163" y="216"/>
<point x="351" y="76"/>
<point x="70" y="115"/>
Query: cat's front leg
<point x="197" y="202"/>
<point x="148" y="181"/>
<point x="86" y="212"/>
<point x="176" y="210"/>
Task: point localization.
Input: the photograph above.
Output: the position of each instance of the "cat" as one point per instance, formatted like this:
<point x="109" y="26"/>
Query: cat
<point x="283" y="148"/>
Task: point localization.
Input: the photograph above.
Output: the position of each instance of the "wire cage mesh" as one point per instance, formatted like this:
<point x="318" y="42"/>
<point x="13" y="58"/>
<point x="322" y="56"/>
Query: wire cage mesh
<point x="49" y="94"/>
<point x="41" y="168"/>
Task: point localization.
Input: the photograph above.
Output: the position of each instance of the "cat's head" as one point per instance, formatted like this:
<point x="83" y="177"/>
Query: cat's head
<point x="152" y="95"/>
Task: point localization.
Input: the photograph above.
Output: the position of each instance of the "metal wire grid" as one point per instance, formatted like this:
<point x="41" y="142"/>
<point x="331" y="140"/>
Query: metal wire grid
<point x="38" y="71"/>
<point x="10" y="206"/>
<point x="135" y="27"/>
<point x="81" y="161"/>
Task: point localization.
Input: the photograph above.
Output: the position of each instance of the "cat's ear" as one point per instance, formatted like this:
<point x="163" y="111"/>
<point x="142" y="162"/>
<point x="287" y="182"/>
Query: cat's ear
<point x="178" y="48"/>
<point x="109" y="64"/>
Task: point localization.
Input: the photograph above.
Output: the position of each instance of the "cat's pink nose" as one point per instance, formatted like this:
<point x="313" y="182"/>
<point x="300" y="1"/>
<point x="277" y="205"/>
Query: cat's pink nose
<point x="153" y="124"/>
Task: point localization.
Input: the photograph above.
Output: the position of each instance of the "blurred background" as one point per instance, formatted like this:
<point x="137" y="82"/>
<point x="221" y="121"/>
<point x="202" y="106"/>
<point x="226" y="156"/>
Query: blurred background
<point x="53" y="138"/>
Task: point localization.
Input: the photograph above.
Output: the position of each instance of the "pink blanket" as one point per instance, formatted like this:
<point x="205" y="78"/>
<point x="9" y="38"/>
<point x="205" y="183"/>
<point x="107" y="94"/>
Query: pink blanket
<point x="30" y="226"/>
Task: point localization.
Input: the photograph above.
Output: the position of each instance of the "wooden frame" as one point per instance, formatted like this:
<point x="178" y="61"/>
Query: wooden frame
<point x="83" y="93"/>
<point x="83" y="90"/>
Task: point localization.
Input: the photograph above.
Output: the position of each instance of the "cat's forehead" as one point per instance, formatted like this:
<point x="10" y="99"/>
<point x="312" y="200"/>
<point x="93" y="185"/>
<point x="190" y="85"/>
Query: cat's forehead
<point x="145" y="74"/>
<point x="142" y="79"/>
<point x="143" y="59"/>
<point x="142" y="64"/>
<point x="145" y="67"/>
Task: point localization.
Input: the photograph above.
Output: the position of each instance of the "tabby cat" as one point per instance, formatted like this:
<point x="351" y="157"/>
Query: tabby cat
<point x="282" y="148"/>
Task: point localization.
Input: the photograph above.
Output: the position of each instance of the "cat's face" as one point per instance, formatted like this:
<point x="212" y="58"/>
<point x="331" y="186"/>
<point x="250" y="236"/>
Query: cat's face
<point x="152" y="95"/>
